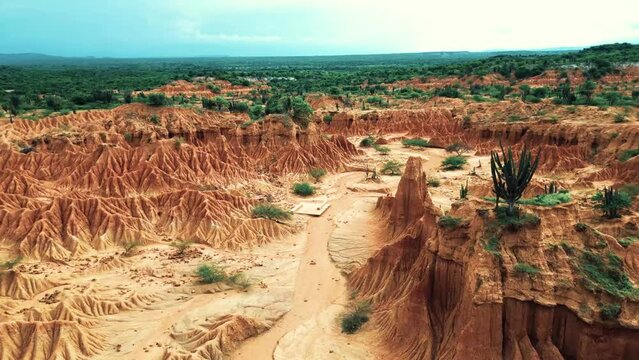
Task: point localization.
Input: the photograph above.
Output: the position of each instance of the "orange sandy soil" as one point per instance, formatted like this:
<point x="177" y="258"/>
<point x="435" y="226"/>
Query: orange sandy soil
<point x="97" y="180"/>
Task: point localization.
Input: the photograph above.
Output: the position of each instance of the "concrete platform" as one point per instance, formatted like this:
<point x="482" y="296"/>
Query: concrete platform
<point x="311" y="207"/>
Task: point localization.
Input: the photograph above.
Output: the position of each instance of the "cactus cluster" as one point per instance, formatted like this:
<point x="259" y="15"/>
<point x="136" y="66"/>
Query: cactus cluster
<point x="510" y="178"/>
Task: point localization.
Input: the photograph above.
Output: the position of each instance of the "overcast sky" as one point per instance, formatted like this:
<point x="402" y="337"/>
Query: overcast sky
<point x="150" y="28"/>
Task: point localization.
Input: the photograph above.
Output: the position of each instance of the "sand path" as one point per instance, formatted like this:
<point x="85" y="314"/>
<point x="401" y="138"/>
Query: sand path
<point x="319" y="283"/>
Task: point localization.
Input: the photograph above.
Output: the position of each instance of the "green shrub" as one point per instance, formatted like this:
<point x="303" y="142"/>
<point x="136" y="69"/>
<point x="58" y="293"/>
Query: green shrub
<point x="270" y="211"/>
<point x="328" y="118"/>
<point x="449" y="222"/>
<point x="303" y="189"/>
<point x="552" y="199"/>
<point x="214" y="88"/>
<point x="524" y="268"/>
<point x="628" y="154"/>
<point x="609" y="312"/>
<point x="178" y="141"/>
<point x="434" y="182"/>
<point x="210" y="274"/>
<point x="367" y="141"/>
<point x="129" y="246"/>
<point x="620" y="118"/>
<point x="157" y="99"/>
<point x="382" y="149"/>
<point x="419" y="142"/>
<point x="611" y="201"/>
<point x="454" y="162"/>
<point x="392" y="167"/>
<point x="239" y="280"/>
<point x="493" y="245"/>
<point x="581" y="227"/>
<point x="517" y="221"/>
<point x="317" y="173"/>
<point x="607" y="276"/>
<point x="631" y="189"/>
<point x="155" y="119"/>
<point x="357" y="316"/>
<point x="10" y="264"/>
<point x="627" y="241"/>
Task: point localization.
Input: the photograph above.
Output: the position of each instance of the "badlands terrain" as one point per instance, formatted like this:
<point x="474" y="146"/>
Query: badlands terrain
<point x="107" y="216"/>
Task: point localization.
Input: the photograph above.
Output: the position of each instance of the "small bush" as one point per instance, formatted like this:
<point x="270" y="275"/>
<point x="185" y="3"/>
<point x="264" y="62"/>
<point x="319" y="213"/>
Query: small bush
<point x="434" y="182"/>
<point x="239" y="280"/>
<point x="367" y="141"/>
<point x="631" y="189"/>
<point x="353" y="320"/>
<point x="628" y="154"/>
<point x="317" y="173"/>
<point x="155" y="119"/>
<point x="303" y="189"/>
<point x="210" y="274"/>
<point x="611" y="201"/>
<point x="609" y="312"/>
<point x="581" y="227"/>
<point x="157" y="99"/>
<point x="620" y="118"/>
<point x="449" y="222"/>
<point x="454" y="162"/>
<point x="392" y="167"/>
<point x="627" y="241"/>
<point x="516" y="222"/>
<point x="181" y="246"/>
<point x="382" y="149"/>
<point x="419" y="142"/>
<point x="10" y="264"/>
<point x="178" y="141"/>
<point x="457" y="148"/>
<point x="129" y="246"/>
<point x="328" y="118"/>
<point x="270" y="211"/>
<point x="524" y="268"/>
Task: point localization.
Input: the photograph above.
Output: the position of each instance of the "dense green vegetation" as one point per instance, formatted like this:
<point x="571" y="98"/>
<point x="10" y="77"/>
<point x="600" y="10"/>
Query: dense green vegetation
<point x="357" y="316"/>
<point x="418" y="142"/>
<point x="270" y="211"/>
<point x="303" y="189"/>
<point x="606" y="274"/>
<point x="525" y="268"/>
<point x="454" y="162"/>
<point x="449" y="222"/>
<point x="63" y="84"/>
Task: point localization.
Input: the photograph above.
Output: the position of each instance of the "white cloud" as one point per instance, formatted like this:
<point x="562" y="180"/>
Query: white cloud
<point x="190" y="31"/>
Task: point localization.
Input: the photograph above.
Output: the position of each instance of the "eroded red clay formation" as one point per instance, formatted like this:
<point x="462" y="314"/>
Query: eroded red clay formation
<point x="103" y="178"/>
<point x="578" y="141"/>
<point x="439" y="295"/>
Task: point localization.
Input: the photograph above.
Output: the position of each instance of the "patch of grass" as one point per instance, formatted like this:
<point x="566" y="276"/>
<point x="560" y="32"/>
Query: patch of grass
<point x="525" y="268"/>
<point x="514" y="118"/>
<point x="449" y="222"/>
<point x="516" y="222"/>
<point x="357" y="316"/>
<point x="609" y="312"/>
<point x="620" y="118"/>
<point x="391" y="167"/>
<point x="210" y="274"/>
<point x="493" y="245"/>
<point x="303" y="189"/>
<point x="434" y="182"/>
<point x="10" y="264"/>
<point x="382" y="149"/>
<point x="270" y="211"/>
<point x="155" y="119"/>
<point x="454" y="162"/>
<point x="367" y="141"/>
<point x="568" y="249"/>
<point x="606" y="275"/>
<point x="581" y="227"/>
<point x="627" y="241"/>
<point x="418" y="142"/>
<point x="547" y="199"/>
<point x="628" y="154"/>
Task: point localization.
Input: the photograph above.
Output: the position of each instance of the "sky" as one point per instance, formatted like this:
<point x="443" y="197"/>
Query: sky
<point x="184" y="28"/>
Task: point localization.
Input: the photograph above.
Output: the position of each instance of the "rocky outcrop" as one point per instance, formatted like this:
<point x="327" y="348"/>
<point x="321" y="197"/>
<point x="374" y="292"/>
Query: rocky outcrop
<point x="457" y="293"/>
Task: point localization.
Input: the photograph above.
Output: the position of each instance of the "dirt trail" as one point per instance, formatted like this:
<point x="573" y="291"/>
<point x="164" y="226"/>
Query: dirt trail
<point x="319" y="283"/>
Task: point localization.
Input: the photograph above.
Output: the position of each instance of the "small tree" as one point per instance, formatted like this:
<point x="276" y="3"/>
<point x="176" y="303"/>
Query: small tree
<point x="510" y="178"/>
<point x="391" y="167"/>
<point x="317" y="174"/>
<point x="157" y="100"/>
<point x="454" y="162"/>
<point x="611" y="201"/>
<point x="458" y="148"/>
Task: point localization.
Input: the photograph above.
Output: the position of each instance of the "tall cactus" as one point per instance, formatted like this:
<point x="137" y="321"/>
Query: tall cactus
<point x="510" y="178"/>
<point x="551" y="189"/>
<point x="611" y="201"/>
<point x="463" y="191"/>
